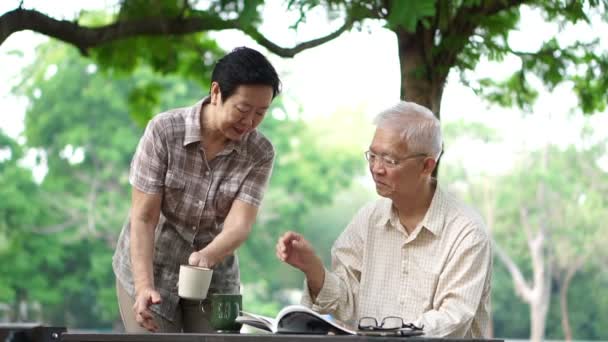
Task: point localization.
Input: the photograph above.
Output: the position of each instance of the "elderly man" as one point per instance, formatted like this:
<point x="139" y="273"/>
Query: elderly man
<point x="415" y="253"/>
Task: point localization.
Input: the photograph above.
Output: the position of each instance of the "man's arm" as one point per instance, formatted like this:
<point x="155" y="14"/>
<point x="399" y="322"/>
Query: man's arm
<point x="332" y="291"/>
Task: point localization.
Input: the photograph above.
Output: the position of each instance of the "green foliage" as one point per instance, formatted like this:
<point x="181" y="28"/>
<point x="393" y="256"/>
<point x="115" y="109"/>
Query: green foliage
<point x="489" y="40"/>
<point x="510" y="315"/>
<point x="515" y="91"/>
<point x="587" y="307"/>
<point x="407" y="14"/>
<point x="18" y="186"/>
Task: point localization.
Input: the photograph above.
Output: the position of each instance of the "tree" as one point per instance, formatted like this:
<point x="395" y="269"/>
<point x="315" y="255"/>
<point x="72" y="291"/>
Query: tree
<point x="433" y="37"/>
<point x="20" y="207"/>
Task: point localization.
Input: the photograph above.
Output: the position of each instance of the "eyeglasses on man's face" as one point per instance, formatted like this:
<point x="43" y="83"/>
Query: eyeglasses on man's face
<point x="389" y="161"/>
<point x="387" y="323"/>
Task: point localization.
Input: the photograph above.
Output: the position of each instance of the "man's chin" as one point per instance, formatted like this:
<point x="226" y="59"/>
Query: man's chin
<point x="382" y="191"/>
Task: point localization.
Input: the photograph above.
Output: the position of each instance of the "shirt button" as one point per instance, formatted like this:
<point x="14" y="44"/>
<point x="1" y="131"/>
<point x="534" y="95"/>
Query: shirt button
<point x="200" y="203"/>
<point x="193" y="227"/>
<point x="206" y="173"/>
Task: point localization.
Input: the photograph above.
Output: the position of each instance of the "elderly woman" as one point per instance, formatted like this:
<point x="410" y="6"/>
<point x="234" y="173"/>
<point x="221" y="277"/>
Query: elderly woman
<point x="198" y="177"/>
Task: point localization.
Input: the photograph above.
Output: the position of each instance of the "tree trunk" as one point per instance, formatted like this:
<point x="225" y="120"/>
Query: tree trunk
<point x="538" y="316"/>
<point x="563" y="305"/>
<point x="419" y="82"/>
<point x="538" y="293"/>
<point x="20" y="306"/>
<point x="563" y="297"/>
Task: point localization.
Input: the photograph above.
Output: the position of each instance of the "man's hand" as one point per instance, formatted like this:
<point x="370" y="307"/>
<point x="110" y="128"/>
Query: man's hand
<point x="293" y="249"/>
<point x="296" y="251"/>
<point x="143" y="315"/>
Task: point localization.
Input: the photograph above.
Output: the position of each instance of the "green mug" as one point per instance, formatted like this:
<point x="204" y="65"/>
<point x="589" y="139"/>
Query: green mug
<point x="225" y="308"/>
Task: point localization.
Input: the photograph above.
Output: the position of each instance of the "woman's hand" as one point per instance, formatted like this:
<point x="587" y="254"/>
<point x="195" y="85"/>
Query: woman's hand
<point x="143" y="299"/>
<point x="200" y="259"/>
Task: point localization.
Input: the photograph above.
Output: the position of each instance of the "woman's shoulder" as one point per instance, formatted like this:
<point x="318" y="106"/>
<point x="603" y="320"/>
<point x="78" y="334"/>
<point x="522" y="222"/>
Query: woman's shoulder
<point x="258" y="146"/>
<point x="170" y="123"/>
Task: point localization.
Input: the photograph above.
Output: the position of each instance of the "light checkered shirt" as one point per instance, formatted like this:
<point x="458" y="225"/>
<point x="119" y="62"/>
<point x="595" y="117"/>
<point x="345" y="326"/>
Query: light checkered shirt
<point x="197" y="196"/>
<point x="438" y="276"/>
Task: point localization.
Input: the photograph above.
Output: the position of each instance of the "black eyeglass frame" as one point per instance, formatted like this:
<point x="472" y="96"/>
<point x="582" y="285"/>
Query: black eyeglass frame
<point x="381" y="327"/>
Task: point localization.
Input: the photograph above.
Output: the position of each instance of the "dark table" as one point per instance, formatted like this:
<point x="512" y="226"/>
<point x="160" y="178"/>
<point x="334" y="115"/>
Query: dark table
<point x="29" y="332"/>
<point x="77" y="337"/>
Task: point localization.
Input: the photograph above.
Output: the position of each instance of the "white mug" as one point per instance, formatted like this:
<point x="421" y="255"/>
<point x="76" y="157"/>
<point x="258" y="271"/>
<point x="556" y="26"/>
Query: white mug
<point x="193" y="282"/>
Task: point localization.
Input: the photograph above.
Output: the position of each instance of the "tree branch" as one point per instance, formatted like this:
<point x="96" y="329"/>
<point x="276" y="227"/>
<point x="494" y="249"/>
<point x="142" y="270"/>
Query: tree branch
<point x="521" y="286"/>
<point x="525" y="223"/>
<point x="291" y="52"/>
<point x="85" y="38"/>
<point x="463" y="25"/>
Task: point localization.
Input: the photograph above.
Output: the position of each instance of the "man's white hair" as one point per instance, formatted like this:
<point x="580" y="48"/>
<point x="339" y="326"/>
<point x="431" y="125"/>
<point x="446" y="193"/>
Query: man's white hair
<point x="418" y="127"/>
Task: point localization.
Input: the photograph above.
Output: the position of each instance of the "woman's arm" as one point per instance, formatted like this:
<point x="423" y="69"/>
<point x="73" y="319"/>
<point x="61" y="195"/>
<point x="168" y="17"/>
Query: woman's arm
<point x="145" y="211"/>
<point x="237" y="227"/>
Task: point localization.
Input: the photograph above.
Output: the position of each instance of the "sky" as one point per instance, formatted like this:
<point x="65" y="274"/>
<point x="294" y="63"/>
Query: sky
<point x="359" y="71"/>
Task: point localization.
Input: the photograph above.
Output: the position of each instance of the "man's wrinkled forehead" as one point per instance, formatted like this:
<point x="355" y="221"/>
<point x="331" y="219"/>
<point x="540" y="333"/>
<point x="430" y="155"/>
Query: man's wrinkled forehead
<point x="388" y="139"/>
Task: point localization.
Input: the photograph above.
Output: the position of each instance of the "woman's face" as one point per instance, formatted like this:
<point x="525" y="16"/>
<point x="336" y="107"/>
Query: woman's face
<point x="243" y="111"/>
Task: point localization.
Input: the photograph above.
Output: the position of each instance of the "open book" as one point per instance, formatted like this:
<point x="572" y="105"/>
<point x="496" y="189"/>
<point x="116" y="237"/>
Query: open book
<point x="295" y="319"/>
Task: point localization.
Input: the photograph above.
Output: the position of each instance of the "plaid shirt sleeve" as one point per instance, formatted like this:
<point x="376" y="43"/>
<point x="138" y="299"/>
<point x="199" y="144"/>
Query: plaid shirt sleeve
<point x="149" y="163"/>
<point x="253" y="188"/>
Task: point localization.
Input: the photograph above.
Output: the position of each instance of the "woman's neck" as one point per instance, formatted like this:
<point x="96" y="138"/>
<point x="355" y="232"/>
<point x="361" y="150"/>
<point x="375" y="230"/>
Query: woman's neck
<point x="210" y="133"/>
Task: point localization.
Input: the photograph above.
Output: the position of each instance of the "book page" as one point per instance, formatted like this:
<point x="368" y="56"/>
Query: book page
<point x="296" y="317"/>
<point x="258" y="321"/>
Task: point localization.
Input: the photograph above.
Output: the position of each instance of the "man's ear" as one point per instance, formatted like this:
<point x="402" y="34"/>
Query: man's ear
<point x="429" y="165"/>
<point x="215" y="93"/>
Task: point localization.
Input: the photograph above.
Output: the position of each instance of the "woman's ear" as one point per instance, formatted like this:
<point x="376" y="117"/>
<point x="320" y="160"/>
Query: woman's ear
<point x="215" y="93"/>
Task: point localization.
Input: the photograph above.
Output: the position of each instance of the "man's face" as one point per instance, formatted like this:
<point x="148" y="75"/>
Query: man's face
<point x="244" y="110"/>
<point x="394" y="179"/>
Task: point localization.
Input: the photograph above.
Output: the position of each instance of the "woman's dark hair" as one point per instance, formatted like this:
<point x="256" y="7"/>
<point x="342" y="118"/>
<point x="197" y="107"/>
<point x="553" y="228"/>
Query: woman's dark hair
<point x="244" y="66"/>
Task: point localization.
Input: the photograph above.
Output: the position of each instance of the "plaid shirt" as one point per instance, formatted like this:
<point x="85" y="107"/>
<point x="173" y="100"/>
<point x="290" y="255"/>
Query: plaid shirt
<point x="438" y="276"/>
<point x="197" y="196"/>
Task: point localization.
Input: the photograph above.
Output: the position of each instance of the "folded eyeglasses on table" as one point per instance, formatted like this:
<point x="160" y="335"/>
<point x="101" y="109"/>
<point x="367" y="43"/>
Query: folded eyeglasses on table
<point x="389" y="326"/>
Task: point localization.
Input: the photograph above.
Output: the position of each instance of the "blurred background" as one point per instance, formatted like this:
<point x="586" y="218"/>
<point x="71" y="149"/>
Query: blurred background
<point x="523" y="113"/>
